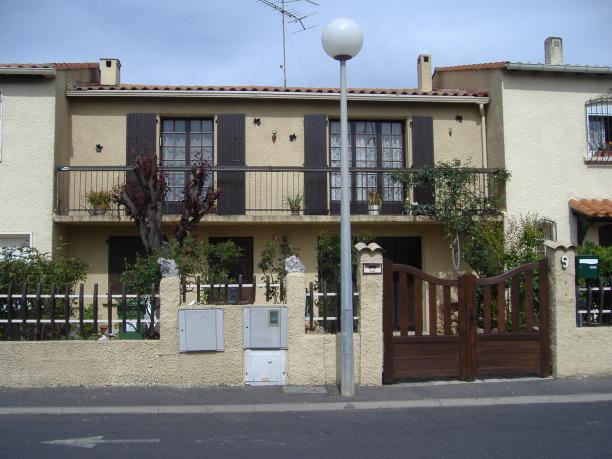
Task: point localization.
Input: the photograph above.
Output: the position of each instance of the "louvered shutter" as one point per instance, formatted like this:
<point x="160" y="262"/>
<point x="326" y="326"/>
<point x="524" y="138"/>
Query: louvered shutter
<point x="315" y="156"/>
<point x="423" y="154"/>
<point x="231" y="152"/>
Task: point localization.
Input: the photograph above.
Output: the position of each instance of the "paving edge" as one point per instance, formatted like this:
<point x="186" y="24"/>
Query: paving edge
<point x="306" y="407"/>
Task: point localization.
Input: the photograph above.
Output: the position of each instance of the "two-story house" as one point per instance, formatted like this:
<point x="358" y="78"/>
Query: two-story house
<point x="266" y="144"/>
<point x="550" y="125"/>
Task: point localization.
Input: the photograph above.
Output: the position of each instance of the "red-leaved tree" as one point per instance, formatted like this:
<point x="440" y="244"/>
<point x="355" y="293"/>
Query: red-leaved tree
<point x="199" y="198"/>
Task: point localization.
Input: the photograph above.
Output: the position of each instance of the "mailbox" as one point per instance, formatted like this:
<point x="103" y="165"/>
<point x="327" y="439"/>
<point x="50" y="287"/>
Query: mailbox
<point x="587" y="267"/>
<point x="265" y="328"/>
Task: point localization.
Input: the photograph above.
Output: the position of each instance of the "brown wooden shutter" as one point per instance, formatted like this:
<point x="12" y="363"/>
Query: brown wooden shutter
<point x="423" y="154"/>
<point x="141" y="136"/>
<point x="315" y="156"/>
<point x="231" y="152"/>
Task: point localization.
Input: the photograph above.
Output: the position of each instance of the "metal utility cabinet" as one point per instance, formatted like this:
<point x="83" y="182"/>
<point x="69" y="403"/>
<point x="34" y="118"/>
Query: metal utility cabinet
<point x="265" y="344"/>
<point x="200" y="330"/>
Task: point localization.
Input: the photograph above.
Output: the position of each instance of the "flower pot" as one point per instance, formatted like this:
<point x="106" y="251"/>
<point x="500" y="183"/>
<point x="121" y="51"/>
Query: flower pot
<point x="373" y="209"/>
<point x="295" y="211"/>
<point x="97" y="211"/>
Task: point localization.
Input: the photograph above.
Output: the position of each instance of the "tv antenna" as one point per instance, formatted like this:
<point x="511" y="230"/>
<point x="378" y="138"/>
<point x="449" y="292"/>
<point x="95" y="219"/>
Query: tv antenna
<point x="289" y="15"/>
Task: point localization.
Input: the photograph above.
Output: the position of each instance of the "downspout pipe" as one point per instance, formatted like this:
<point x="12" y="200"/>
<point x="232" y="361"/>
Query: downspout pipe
<point x="483" y="133"/>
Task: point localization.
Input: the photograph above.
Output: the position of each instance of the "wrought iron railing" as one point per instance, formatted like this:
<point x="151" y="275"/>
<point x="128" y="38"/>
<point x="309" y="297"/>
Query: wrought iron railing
<point x="261" y="190"/>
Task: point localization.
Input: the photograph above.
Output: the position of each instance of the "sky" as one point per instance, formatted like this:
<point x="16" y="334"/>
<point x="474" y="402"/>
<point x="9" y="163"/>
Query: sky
<point x="239" y="42"/>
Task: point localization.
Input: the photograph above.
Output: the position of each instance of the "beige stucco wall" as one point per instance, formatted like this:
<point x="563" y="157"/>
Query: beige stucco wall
<point x="89" y="242"/>
<point x="26" y="168"/>
<point x="102" y="120"/>
<point x="490" y="81"/>
<point x="311" y="359"/>
<point x="545" y="138"/>
<point x="575" y="351"/>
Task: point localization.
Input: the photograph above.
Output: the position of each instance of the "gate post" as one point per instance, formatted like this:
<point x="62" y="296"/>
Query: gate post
<point x="562" y="297"/>
<point x="467" y="327"/>
<point x="370" y="281"/>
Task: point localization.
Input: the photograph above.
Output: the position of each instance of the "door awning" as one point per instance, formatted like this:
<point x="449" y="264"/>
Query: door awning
<point x="589" y="211"/>
<point x="592" y="209"/>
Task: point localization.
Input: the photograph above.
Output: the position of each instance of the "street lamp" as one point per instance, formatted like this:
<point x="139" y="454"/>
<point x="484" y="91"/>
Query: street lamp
<point x="342" y="40"/>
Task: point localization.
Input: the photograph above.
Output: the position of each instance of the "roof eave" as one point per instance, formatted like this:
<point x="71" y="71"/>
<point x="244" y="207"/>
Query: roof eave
<point x="28" y="71"/>
<point x="277" y="95"/>
<point x="587" y="69"/>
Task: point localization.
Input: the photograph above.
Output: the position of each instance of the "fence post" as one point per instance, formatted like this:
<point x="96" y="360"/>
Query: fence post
<point x="169" y="302"/>
<point x="370" y="282"/>
<point x="296" y="333"/>
<point x="562" y="307"/>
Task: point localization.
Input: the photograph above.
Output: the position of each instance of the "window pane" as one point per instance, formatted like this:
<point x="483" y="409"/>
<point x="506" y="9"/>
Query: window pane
<point x="195" y="140"/>
<point x="386" y="128"/>
<point x="179" y="126"/>
<point x="196" y="126"/>
<point x="397" y="128"/>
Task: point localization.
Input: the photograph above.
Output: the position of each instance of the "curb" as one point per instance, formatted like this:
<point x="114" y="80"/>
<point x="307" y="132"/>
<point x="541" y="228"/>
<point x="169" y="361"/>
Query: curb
<point x="309" y="407"/>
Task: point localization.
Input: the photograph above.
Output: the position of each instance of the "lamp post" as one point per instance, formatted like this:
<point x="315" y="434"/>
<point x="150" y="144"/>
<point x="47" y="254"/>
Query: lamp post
<point x="342" y="40"/>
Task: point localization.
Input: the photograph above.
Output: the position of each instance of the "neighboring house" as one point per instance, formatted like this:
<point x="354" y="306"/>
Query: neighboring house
<point x="277" y="142"/>
<point x="550" y="125"/>
<point x="33" y="124"/>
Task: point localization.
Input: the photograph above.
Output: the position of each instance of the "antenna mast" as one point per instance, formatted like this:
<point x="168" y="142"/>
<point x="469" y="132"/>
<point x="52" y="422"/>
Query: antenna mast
<point x="293" y="16"/>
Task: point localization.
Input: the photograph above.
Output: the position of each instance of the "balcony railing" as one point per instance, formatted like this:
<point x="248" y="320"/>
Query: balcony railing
<point x="260" y="190"/>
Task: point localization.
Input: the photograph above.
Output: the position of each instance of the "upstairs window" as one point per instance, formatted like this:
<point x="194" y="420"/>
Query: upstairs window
<point x="599" y="128"/>
<point x="371" y="145"/>
<point x="183" y="142"/>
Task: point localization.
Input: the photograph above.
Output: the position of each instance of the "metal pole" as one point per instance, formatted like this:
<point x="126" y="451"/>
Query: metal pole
<point x="284" y="52"/>
<point x="347" y="380"/>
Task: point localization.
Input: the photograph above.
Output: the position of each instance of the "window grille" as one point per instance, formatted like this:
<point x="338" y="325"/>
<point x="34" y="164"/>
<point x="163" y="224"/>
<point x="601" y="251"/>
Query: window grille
<point x="599" y="128"/>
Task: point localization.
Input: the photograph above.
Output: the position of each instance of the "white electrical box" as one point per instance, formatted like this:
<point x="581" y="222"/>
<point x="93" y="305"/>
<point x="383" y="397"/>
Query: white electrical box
<point x="265" y="368"/>
<point x="265" y="328"/>
<point x="200" y="330"/>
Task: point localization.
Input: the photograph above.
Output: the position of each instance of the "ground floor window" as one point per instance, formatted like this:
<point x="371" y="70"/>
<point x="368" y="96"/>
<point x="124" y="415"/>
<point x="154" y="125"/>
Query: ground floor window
<point x="242" y="265"/>
<point x="9" y="241"/>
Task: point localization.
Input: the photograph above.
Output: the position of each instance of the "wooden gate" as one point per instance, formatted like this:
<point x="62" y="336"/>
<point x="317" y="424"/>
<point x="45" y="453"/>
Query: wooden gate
<point x="465" y="327"/>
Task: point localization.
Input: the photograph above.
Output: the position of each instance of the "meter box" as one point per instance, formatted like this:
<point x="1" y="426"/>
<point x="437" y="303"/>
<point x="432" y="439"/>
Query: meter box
<point x="200" y="330"/>
<point x="587" y="267"/>
<point x="265" y="328"/>
<point x="265" y="368"/>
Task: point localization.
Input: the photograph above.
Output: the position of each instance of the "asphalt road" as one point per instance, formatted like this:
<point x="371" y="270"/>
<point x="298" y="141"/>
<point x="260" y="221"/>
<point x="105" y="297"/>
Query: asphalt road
<point x="557" y="430"/>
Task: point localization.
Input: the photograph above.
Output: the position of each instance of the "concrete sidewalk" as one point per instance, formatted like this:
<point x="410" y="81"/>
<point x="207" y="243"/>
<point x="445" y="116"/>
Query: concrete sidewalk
<point x="75" y="400"/>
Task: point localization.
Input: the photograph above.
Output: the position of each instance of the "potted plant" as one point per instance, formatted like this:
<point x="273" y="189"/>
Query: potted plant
<point x="295" y="203"/>
<point x="99" y="201"/>
<point x="375" y="202"/>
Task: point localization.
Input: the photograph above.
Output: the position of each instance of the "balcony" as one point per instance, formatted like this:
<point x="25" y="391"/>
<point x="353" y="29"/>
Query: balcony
<point x="260" y="194"/>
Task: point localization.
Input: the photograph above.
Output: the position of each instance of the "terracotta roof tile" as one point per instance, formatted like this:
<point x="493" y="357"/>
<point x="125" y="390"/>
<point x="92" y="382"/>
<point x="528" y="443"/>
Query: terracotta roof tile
<point x="484" y="66"/>
<point x="592" y="207"/>
<point x="57" y="66"/>
<point x="292" y="89"/>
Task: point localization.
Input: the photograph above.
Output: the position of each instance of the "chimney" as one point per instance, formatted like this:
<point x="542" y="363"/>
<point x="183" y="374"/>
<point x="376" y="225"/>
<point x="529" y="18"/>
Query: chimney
<point x="553" y="51"/>
<point x="424" y="72"/>
<point x="110" y="71"/>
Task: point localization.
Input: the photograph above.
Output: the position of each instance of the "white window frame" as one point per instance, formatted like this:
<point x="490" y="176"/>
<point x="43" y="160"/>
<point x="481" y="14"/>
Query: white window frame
<point x="601" y="106"/>
<point x="16" y="234"/>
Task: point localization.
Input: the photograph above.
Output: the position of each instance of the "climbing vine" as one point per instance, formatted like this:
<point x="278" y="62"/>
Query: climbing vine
<point x="462" y="195"/>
